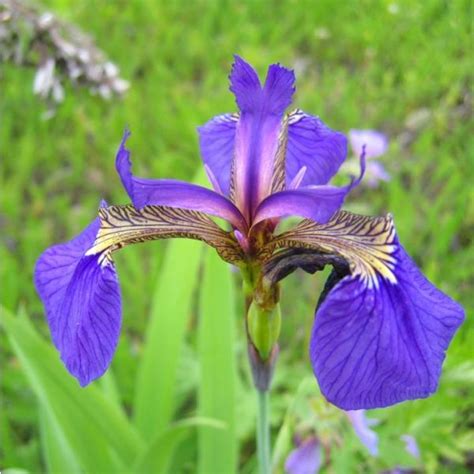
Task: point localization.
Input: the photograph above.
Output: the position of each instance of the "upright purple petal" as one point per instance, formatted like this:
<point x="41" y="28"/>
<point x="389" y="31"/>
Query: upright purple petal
<point x="376" y="142"/>
<point x="377" y="343"/>
<point x="313" y="145"/>
<point x="173" y="193"/>
<point x="305" y="459"/>
<point x="258" y="130"/>
<point x="81" y="296"/>
<point x="217" y="141"/>
<point x="361" y="425"/>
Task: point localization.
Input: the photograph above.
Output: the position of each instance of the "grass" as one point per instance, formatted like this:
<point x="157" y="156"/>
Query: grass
<point x="359" y="65"/>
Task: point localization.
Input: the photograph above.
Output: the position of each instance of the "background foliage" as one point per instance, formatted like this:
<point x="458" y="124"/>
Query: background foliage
<point x="403" y="67"/>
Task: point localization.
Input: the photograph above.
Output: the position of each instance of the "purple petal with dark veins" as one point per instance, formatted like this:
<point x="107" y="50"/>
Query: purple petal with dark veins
<point x="314" y="145"/>
<point x="317" y="203"/>
<point x="380" y="344"/>
<point x="258" y="130"/>
<point x="216" y="142"/>
<point x="305" y="459"/>
<point x="82" y="302"/>
<point x="173" y="193"/>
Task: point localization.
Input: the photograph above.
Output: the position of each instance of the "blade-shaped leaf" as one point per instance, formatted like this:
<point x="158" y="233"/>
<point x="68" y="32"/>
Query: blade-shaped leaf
<point x="155" y="388"/>
<point x="97" y="431"/>
<point x="217" y="397"/>
<point x="56" y="450"/>
<point x="158" y="455"/>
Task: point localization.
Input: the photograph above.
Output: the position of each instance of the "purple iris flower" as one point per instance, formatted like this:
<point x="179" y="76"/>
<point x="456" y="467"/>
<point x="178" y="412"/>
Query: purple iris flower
<point x="376" y="144"/>
<point x="361" y="425"/>
<point x="305" y="458"/>
<point x="381" y="329"/>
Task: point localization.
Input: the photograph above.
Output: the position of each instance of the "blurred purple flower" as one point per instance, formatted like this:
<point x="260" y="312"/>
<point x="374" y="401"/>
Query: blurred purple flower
<point x="305" y="458"/>
<point x="411" y="446"/>
<point x="376" y="144"/>
<point x="361" y="425"/>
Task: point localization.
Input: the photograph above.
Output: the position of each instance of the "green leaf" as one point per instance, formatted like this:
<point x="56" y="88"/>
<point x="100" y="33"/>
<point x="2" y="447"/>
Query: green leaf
<point x="155" y="391"/>
<point x="159" y="453"/>
<point x="57" y="451"/>
<point x="217" y="387"/>
<point x="98" y="432"/>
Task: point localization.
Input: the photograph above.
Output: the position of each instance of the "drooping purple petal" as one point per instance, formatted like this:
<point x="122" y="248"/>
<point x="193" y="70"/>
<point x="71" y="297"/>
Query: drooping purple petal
<point x="376" y="172"/>
<point x="216" y="142"/>
<point x="305" y="459"/>
<point x="258" y="130"/>
<point x="312" y="144"/>
<point x="82" y="301"/>
<point x="376" y="142"/>
<point x="173" y="193"/>
<point x="361" y="425"/>
<point x="318" y="203"/>
<point x="380" y="344"/>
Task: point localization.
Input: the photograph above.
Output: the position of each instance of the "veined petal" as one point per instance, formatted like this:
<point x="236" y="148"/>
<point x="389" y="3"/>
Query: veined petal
<point x="313" y="145"/>
<point x="318" y="203"/>
<point x="258" y="133"/>
<point x="124" y="225"/>
<point x="81" y="296"/>
<point x="173" y="193"/>
<point x="216" y="142"/>
<point x="381" y="333"/>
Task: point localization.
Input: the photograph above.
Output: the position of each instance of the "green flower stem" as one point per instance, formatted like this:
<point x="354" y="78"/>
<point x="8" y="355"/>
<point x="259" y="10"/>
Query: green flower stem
<point x="263" y="433"/>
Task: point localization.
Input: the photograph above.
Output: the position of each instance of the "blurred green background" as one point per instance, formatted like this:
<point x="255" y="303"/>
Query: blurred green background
<point x="402" y="67"/>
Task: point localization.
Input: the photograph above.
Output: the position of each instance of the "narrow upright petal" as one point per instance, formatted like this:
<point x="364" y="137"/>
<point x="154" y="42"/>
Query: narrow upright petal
<point x="258" y="133"/>
<point x="411" y="446"/>
<point x="173" y="193"/>
<point x="81" y="296"/>
<point x="305" y="459"/>
<point x="314" y="145"/>
<point x="381" y="333"/>
<point x="376" y="143"/>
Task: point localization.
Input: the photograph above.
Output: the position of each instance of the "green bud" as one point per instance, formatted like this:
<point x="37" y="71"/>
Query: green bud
<point x="263" y="328"/>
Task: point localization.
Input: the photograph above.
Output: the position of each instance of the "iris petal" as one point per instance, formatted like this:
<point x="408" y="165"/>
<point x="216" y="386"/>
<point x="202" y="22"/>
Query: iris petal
<point x="173" y="193"/>
<point x="258" y="133"/>
<point x="318" y="203"/>
<point x="216" y="141"/>
<point x="305" y="459"/>
<point x="82" y="301"/>
<point x="381" y="333"/>
<point x="314" y="145"/>
<point x="374" y="346"/>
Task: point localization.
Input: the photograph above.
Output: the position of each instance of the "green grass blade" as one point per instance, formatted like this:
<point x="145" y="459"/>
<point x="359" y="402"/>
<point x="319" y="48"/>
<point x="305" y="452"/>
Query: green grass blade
<point x="217" y="387"/>
<point x="155" y="391"/>
<point x="158" y="455"/>
<point x="97" y="431"/>
<point x="56" y="450"/>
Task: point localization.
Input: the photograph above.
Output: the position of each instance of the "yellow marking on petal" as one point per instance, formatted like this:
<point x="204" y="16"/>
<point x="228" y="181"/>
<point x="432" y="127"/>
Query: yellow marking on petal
<point x="125" y="225"/>
<point x="366" y="243"/>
